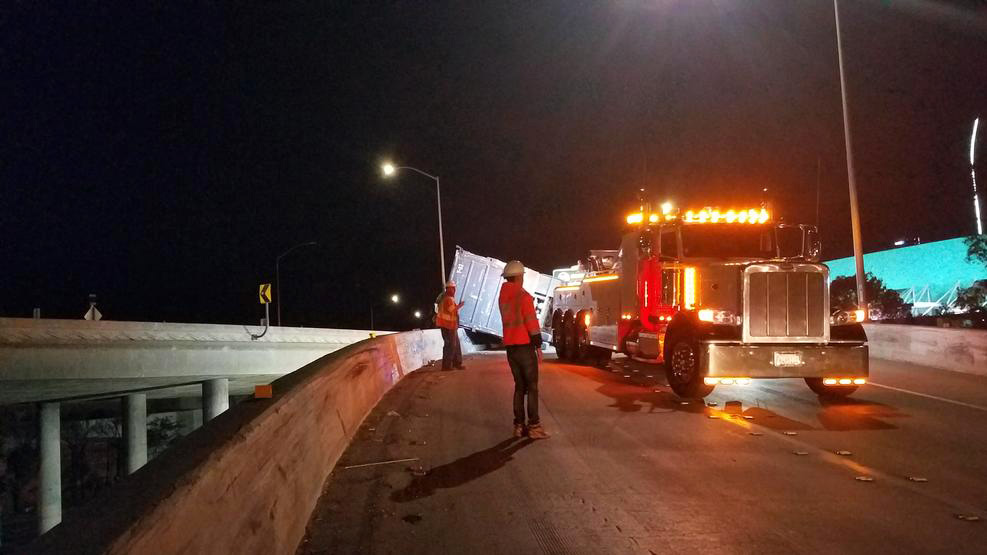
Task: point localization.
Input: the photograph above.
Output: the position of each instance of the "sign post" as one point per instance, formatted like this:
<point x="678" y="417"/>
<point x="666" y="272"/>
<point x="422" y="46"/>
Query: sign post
<point x="264" y="294"/>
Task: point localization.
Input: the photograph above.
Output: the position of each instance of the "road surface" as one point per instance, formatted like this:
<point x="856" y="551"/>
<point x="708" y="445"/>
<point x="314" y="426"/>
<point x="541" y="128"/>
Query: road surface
<point x="631" y="468"/>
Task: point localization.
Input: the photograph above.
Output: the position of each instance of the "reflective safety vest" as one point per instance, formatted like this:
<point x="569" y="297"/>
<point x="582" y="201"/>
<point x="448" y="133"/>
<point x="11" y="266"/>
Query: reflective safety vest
<point x="517" y="313"/>
<point x="448" y="314"/>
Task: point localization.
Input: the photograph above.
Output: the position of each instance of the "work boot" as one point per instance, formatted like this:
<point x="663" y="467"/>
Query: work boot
<point x="535" y="431"/>
<point x="519" y="430"/>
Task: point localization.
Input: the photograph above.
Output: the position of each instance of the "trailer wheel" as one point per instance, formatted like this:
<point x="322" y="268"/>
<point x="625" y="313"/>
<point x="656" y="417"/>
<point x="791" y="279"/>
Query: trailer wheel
<point x="829" y="391"/>
<point x="682" y="368"/>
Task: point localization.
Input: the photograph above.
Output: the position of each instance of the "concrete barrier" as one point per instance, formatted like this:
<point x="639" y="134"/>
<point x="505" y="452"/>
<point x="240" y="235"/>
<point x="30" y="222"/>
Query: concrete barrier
<point x="960" y="350"/>
<point x="248" y="480"/>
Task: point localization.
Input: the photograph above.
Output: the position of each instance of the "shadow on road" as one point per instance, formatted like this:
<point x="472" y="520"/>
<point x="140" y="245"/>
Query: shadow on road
<point x="461" y="471"/>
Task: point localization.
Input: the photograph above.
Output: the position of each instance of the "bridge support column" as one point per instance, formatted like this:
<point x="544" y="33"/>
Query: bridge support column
<point x="135" y="430"/>
<point x="215" y="398"/>
<point x="50" y="469"/>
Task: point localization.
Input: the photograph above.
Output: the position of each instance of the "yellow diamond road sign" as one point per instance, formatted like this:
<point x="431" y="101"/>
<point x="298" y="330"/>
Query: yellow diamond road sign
<point x="265" y="293"/>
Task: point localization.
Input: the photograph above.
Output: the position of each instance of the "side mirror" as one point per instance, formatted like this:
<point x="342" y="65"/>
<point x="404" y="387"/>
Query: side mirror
<point x="813" y="247"/>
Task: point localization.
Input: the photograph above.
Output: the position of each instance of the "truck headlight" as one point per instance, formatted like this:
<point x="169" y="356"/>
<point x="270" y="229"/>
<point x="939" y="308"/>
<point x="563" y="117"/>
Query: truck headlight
<point x="719" y="316"/>
<point x="841" y="317"/>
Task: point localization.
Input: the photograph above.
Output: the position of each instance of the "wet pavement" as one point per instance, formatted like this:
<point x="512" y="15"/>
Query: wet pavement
<point x="901" y="466"/>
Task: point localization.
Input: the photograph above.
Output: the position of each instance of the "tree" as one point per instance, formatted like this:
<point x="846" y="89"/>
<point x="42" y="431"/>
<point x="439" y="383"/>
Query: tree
<point x="972" y="299"/>
<point x="884" y="303"/>
<point x="976" y="249"/>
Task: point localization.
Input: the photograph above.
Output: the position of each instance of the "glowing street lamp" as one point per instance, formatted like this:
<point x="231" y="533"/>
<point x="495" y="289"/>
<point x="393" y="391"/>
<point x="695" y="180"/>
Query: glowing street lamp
<point x="394" y="299"/>
<point x="390" y="170"/>
<point x="418" y="315"/>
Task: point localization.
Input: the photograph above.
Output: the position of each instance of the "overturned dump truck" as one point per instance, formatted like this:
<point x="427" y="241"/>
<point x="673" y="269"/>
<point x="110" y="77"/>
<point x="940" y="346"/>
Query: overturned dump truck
<point x="478" y="279"/>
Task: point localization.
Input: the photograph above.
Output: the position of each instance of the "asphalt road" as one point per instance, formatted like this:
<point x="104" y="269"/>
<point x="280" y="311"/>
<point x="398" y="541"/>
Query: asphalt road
<point x="631" y="468"/>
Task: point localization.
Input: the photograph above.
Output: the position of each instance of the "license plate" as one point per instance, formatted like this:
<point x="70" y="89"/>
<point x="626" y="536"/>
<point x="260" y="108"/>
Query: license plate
<point x="788" y="359"/>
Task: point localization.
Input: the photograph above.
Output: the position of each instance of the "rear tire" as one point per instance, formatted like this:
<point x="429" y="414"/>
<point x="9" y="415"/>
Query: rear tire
<point x="558" y="339"/>
<point x="682" y="367"/>
<point x="581" y="348"/>
<point x="829" y="391"/>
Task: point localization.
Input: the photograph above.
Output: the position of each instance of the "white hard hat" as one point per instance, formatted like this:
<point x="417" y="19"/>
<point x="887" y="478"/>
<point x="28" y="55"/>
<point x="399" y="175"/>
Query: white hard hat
<point x="513" y="268"/>
<point x="450" y="283"/>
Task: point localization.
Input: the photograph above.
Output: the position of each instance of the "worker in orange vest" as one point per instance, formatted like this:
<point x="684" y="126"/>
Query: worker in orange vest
<point x="447" y="318"/>
<point x="522" y="338"/>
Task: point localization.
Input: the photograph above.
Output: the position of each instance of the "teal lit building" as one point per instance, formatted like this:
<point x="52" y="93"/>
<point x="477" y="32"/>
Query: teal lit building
<point x="926" y="275"/>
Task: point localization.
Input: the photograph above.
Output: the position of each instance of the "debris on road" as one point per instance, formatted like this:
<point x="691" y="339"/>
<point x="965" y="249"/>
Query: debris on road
<point x="747" y="417"/>
<point x="714" y="416"/>
<point x="755" y="433"/>
<point x="844" y="453"/>
<point x="791" y="433"/>
<point x="711" y="404"/>
<point x="801" y="453"/>
<point x="393" y="413"/>
<point x="864" y="479"/>
<point x="968" y="518"/>
<point x="917" y="479"/>
<point x="379" y="463"/>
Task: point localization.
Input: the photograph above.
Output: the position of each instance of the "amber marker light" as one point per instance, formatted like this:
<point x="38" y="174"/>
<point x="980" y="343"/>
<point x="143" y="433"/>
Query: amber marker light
<point x="635" y="218"/>
<point x="608" y="277"/>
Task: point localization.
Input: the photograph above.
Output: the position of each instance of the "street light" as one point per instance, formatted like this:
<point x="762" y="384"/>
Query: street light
<point x="390" y="170"/>
<point x="277" y="273"/>
<point x="394" y="298"/>
<point x="418" y="315"/>
<point x="858" y="254"/>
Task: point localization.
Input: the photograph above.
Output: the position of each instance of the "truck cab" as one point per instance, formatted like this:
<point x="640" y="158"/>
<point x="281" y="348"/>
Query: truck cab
<point x="717" y="296"/>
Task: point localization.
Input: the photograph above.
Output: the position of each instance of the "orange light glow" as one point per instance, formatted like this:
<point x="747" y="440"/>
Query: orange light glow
<point x="608" y="277"/>
<point x="654" y="218"/>
<point x="859" y="314"/>
<point x="635" y="218"/>
<point x="750" y="215"/>
<point x="859" y="381"/>
<point x="706" y="315"/>
<point x="586" y="319"/>
<point x="689" y="287"/>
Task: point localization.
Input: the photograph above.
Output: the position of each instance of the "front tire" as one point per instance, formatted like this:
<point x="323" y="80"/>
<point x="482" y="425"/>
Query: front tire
<point x="829" y="391"/>
<point x="682" y="367"/>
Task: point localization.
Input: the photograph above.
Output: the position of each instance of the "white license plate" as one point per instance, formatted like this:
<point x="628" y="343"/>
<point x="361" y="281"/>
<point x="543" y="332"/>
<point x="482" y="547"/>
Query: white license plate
<point x="788" y="359"/>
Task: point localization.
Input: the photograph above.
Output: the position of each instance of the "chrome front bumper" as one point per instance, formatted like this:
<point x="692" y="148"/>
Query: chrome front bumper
<point x="832" y="360"/>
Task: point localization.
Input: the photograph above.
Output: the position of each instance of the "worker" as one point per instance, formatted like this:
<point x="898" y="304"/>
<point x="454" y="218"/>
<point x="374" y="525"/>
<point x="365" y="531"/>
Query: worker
<point x="447" y="318"/>
<point x="522" y="338"/>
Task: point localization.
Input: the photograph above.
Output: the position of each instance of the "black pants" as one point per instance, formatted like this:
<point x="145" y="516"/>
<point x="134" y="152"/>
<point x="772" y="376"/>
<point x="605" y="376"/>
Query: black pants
<point x="524" y="366"/>
<point x="452" y="351"/>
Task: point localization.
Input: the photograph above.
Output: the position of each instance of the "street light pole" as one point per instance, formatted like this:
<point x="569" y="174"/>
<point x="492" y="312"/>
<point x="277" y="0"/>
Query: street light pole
<point x="389" y="170"/>
<point x="858" y="254"/>
<point x="277" y="274"/>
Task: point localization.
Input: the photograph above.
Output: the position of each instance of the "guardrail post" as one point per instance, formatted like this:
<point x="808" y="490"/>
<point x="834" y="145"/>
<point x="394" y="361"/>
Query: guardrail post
<point x="135" y="430"/>
<point x="50" y="469"/>
<point x="215" y="398"/>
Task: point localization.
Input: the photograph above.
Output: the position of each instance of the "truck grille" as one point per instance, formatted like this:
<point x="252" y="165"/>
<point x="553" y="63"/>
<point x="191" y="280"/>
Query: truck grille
<point x="786" y="302"/>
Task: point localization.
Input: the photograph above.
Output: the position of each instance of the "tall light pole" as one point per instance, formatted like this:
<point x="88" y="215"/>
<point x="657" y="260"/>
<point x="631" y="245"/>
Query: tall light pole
<point x="858" y="254"/>
<point x="277" y="273"/>
<point x="973" y="176"/>
<point x="389" y="170"/>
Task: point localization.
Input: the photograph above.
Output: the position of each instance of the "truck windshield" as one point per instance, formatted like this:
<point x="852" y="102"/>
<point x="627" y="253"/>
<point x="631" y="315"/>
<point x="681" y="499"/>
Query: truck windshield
<point x="728" y="241"/>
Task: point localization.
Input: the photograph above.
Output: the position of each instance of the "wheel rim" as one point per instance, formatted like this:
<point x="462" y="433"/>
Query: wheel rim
<point x="683" y="363"/>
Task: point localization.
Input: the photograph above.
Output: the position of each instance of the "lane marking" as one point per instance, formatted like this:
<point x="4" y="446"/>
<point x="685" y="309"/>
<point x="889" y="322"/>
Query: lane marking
<point x="926" y="395"/>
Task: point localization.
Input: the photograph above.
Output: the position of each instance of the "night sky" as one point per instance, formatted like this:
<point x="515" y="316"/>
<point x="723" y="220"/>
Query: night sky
<point x="162" y="156"/>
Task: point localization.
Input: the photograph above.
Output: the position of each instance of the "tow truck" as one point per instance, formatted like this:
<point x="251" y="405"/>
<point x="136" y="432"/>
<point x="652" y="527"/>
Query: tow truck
<point x="719" y="296"/>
